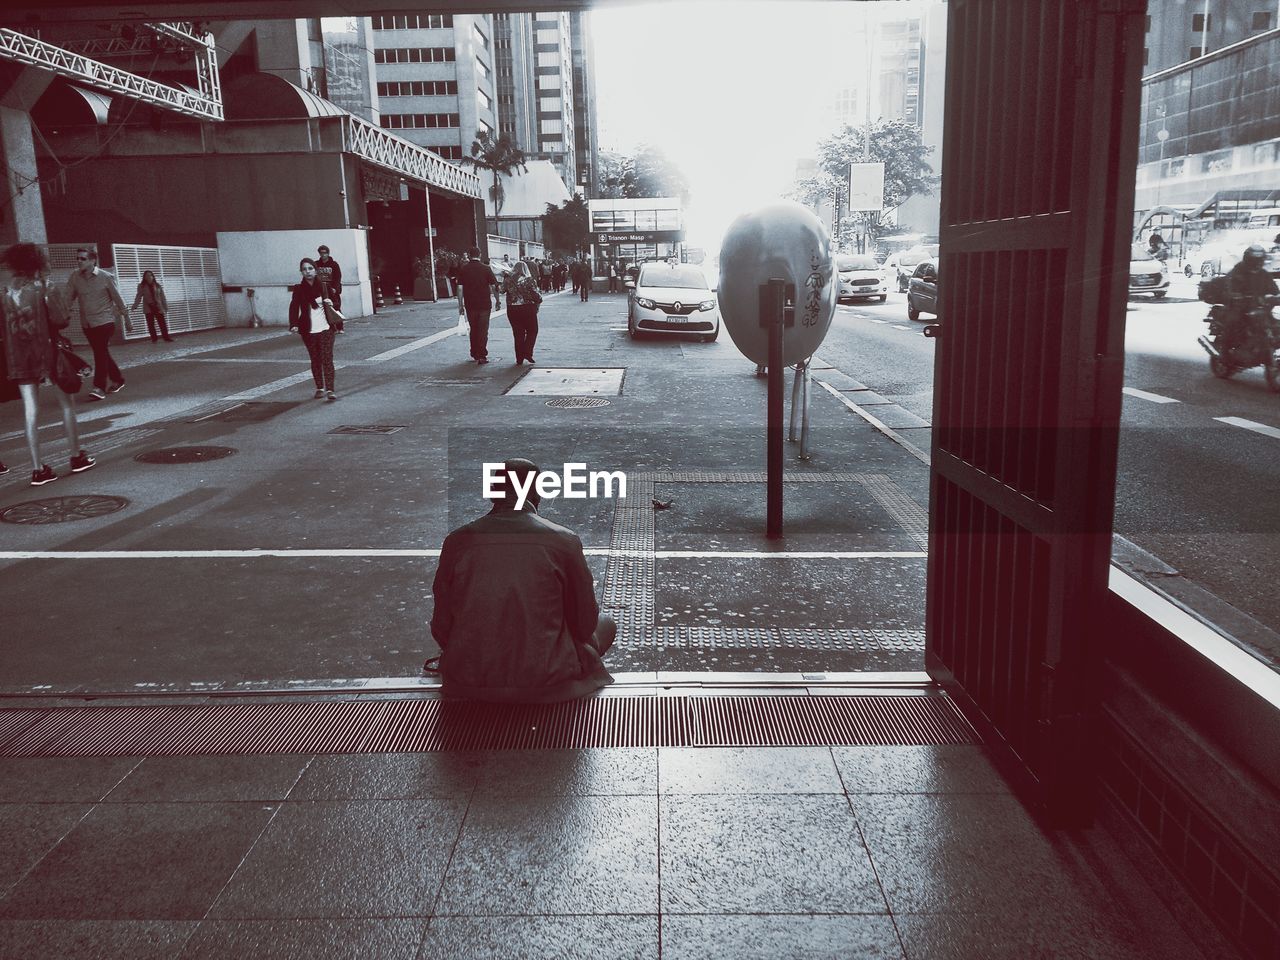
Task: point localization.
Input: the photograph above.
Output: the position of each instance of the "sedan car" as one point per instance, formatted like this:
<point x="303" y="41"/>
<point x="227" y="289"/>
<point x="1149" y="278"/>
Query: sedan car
<point x="922" y="290"/>
<point x="1147" y="274"/>
<point x="672" y="298"/>
<point x="908" y="260"/>
<point x="861" y="278"/>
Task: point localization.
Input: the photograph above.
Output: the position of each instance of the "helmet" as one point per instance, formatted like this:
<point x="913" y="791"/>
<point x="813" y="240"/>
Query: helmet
<point x="1255" y="255"/>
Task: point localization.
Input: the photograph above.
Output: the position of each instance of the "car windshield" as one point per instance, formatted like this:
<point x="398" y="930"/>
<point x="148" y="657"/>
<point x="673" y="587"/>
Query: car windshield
<point x="681" y="275"/>
<point x="845" y="264"/>
<point x="915" y="255"/>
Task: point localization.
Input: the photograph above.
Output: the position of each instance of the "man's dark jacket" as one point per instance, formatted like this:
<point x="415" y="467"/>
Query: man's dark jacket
<point x="515" y="611"/>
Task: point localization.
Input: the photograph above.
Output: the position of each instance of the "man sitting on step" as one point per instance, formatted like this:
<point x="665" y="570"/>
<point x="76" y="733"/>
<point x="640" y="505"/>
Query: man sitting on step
<point x="515" y="614"/>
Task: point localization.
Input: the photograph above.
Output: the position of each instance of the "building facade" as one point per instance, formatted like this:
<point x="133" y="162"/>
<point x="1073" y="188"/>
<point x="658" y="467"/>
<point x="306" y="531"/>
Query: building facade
<point x="435" y="79"/>
<point x="586" y="143"/>
<point x="1181" y="30"/>
<point x="553" y="70"/>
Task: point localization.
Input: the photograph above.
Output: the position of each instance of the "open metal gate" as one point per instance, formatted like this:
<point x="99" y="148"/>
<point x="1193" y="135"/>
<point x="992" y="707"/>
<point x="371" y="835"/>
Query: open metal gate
<point x="1040" y="149"/>
<point x="192" y="281"/>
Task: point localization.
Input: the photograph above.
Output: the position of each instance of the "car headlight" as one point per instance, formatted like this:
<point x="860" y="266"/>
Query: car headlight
<point x="646" y="303"/>
<point x="707" y="305"/>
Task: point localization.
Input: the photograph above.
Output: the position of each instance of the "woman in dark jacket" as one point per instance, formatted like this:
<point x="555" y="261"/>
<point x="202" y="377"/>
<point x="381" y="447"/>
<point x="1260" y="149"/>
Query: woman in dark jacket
<point x="308" y="317"/>
<point x="28" y="353"/>
<point x="154" y="305"/>
<point x="522" y="309"/>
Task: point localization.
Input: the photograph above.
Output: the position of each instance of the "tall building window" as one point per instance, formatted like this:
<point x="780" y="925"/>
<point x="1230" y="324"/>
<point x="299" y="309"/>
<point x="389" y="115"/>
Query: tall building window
<point x="1200" y="23"/>
<point x="1262" y="20"/>
<point x="485" y="100"/>
<point x="418" y="88"/>
<point x="417" y="121"/>
<point x="412" y="22"/>
<point x="449" y="152"/>
<point x="414" y="55"/>
<point x="1194" y="53"/>
<point x="480" y="37"/>
<point x="1148" y="23"/>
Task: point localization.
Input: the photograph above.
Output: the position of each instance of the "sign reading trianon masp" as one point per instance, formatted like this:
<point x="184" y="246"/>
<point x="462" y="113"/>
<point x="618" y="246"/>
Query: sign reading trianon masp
<point x="643" y="236"/>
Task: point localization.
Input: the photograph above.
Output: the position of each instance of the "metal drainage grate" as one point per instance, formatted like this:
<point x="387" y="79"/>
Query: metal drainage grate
<point x="577" y="402"/>
<point x="62" y="509"/>
<point x="430" y="724"/>
<point x="184" y="454"/>
<point x="378" y="429"/>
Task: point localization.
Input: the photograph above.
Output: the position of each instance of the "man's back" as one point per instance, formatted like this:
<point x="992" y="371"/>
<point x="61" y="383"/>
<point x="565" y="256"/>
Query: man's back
<point x="515" y="610"/>
<point x="476" y="279"/>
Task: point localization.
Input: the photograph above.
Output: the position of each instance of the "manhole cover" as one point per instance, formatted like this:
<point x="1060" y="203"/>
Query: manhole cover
<point x="380" y="429"/>
<point x="578" y="402"/>
<point x="62" y="509"/>
<point x="184" y="454"/>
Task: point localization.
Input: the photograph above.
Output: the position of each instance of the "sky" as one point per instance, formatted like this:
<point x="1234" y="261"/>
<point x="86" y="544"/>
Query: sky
<point x="733" y="92"/>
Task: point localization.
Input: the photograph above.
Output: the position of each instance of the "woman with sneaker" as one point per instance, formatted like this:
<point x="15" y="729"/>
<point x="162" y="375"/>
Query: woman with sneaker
<point x="28" y="353"/>
<point x="154" y="305"/>
<point x="308" y="317"/>
<point x="522" y="309"/>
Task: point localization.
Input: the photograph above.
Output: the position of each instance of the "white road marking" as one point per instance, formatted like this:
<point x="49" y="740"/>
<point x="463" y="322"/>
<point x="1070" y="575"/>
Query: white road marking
<point x="1153" y="397"/>
<point x="1262" y="428"/>
<point x="287" y="554"/>
<point x="875" y="320"/>
<point x="901" y="326"/>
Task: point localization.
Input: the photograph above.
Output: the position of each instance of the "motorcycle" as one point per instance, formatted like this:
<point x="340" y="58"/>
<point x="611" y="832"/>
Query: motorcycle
<point x="1257" y="341"/>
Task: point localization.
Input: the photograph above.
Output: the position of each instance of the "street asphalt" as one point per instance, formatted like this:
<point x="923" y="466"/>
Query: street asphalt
<point x="303" y="555"/>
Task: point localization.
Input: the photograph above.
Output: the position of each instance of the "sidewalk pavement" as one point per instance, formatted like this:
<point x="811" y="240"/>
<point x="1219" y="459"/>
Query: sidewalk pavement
<point x="301" y="563"/>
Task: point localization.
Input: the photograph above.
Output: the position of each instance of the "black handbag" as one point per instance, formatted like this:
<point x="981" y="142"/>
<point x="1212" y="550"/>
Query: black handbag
<point x="67" y="370"/>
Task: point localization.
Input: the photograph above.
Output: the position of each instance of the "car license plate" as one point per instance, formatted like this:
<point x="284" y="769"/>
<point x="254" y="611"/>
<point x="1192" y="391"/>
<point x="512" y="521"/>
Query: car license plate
<point x="676" y="318"/>
<point x="870" y="289"/>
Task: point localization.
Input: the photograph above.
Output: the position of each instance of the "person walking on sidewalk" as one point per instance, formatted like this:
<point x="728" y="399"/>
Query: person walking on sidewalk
<point x="474" y="281"/>
<point x="30" y="316"/>
<point x="100" y="306"/>
<point x="582" y="277"/>
<point x="613" y="276"/>
<point x="330" y="275"/>
<point x="523" y="299"/>
<point x="515" y="615"/>
<point x="309" y="318"/>
<point x="154" y="305"/>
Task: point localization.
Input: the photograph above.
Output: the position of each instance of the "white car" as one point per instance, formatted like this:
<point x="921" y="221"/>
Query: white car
<point x="672" y="298"/>
<point x="908" y="260"/>
<point x="861" y="278"/>
<point x="1147" y="274"/>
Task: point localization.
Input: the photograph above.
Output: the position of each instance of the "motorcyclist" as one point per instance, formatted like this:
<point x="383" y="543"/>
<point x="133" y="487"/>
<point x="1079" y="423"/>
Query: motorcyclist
<point x="1249" y="287"/>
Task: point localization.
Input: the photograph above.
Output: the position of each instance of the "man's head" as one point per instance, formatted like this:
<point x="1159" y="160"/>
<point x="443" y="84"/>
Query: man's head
<point x="1255" y="256"/>
<point x="474" y="253"/>
<point x="524" y="473"/>
<point x="86" y="259"/>
<point x="506" y="257"/>
<point x="1156" y="239"/>
<point x="323" y="251"/>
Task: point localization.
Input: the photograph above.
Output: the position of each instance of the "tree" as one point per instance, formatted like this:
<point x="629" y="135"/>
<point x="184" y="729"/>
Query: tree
<point x="650" y="173"/>
<point x="497" y="156"/>
<point x="568" y="226"/>
<point x="907" y="173"/>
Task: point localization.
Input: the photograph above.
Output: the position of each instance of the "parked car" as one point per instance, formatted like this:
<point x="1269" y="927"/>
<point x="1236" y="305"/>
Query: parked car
<point x="908" y="260"/>
<point x="861" y="278"/>
<point x="672" y="298"/>
<point x="922" y="290"/>
<point x="1147" y="274"/>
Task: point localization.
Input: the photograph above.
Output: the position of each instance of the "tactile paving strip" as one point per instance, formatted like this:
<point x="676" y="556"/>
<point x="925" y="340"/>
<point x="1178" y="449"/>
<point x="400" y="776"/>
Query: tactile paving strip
<point x="431" y="724"/>
<point x="775" y="638"/>
<point x="910" y="515"/>
<point x="630" y="579"/>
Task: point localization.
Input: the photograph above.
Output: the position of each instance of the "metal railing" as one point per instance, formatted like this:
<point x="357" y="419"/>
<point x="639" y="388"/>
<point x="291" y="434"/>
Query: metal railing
<point x="206" y="105"/>
<point x="408" y="159"/>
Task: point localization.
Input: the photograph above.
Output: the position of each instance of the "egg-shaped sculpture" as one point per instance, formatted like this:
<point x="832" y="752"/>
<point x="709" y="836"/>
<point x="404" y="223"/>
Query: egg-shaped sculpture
<point x="785" y="241"/>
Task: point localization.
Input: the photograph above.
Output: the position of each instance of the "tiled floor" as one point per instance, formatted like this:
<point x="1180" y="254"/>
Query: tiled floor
<point x="915" y="852"/>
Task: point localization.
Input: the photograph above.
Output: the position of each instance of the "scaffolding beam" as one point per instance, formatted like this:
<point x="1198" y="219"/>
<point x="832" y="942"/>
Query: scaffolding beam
<point x="411" y="161"/>
<point x="205" y="105"/>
